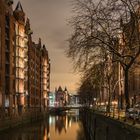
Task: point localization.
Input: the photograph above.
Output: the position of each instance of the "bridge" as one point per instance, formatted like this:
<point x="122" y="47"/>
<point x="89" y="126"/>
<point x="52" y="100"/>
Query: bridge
<point x="64" y="108"/>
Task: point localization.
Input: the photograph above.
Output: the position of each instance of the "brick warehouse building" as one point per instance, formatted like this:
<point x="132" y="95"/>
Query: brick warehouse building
<point x="23" y="82"/>
<point x="21" y="50"/>
<point x="39" y="72"/>
<point x="45" y="75"/>
<point x="35" y="74"/>
<point x="7" y="77"/>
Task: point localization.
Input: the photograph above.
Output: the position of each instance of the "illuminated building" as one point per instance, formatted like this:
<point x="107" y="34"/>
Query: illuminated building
<point x="51" y="99"/>
<point x="21" y="57"/>
<point x="61" y="97"/>
<point x="6" y="55"/>
<point x="34" y="75"/>
<point x="134" y="70"/>
<point x="45" y="76"/>
<point x="24" y="65"/>
<point x="38" y="72"/>
<point x="38" y="75"/>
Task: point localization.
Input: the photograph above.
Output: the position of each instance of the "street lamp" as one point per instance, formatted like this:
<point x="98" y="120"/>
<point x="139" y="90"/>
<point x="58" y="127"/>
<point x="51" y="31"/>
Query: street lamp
<point x="119" y="103"/>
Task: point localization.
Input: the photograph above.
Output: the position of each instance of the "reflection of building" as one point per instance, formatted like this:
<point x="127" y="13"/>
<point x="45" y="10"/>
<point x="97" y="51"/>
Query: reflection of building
<point x="64" y="122"/>
<point x="60" y="123"/>
<point x="61" y="97"/>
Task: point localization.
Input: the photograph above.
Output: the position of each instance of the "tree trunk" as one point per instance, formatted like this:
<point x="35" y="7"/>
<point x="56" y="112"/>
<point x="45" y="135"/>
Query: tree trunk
<point x="126" y="90"/>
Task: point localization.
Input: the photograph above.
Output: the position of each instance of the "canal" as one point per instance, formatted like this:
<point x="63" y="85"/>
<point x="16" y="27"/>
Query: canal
<point x="65" y="126"/>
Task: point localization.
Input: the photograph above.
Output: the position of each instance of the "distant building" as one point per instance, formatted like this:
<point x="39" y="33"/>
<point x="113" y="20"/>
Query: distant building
<point x="74" y="99"/>
<point x="61" y="97"/>
<point x="51" y="99"/>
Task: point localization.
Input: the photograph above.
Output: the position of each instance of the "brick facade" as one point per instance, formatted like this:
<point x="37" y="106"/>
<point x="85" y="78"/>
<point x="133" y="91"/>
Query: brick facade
<point x="23" y="81"/>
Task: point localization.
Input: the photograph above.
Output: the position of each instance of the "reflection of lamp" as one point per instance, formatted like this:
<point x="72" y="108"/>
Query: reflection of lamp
<point x="48" y="135"/>
<point x="94" y="99"/>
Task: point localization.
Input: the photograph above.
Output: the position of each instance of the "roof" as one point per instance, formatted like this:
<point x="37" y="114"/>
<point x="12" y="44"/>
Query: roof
<point x="65" y="89"/>
<point x="19" y="7"/>
<point x="60" y="89"/>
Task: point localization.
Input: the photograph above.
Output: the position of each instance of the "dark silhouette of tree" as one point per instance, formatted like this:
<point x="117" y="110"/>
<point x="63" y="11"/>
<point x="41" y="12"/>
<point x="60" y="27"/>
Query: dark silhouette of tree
<point x="109" y="25"/>
<point x="91" y="84"/>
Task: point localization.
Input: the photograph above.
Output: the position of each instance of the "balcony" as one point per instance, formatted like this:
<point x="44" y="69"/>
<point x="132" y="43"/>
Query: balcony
<point x="19" y="74"/>
<point x="20" y="63"/>
<point x="20" y="67"/>
<point x="25" y="59"/>
<point x="20" y="57"/>
<point x="20" y="53"/>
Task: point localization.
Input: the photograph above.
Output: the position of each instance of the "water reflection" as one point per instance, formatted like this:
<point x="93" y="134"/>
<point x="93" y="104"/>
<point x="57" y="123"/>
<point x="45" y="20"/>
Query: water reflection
<point x="81" y="133"/>
<point x="57" y="127"/>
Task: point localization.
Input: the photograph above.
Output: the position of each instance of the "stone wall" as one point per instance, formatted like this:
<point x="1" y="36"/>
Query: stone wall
<point x="13" y="121"/>
<point x="100" y="127"/>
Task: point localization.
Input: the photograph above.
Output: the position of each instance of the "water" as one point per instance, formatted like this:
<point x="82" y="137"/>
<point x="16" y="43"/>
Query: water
<point x="56" y="127"/>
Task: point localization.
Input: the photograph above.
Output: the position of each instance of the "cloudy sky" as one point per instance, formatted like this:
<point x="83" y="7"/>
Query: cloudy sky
<point x="49" y="19"/>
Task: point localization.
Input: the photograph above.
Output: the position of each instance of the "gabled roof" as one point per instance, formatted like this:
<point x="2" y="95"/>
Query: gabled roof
<point x="19" y="7"/>
<point x="60" y="89"/>
<point x="65" y="89"/>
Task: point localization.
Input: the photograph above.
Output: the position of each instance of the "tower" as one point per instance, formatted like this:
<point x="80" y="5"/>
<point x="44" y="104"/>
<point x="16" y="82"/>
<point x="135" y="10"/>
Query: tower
<point x="21" y="58"/>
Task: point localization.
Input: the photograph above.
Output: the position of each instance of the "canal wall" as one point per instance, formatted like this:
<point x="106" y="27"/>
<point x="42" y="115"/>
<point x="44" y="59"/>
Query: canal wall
<point x="100" y="127"/>
<point x="8" y="122"/>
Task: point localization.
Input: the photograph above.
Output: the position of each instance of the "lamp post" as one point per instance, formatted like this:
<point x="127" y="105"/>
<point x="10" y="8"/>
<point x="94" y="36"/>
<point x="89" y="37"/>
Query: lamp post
<point x="120" y="104"/>
<point x="118" y="94"/>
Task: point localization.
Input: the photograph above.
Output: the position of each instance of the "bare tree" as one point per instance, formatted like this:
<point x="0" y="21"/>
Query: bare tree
<point x="90" y="85"/>
<point x="111" y="25"/>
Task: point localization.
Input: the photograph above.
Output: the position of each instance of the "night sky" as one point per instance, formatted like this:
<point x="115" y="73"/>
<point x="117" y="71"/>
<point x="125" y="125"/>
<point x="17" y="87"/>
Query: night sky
<point x="49" y="21"/>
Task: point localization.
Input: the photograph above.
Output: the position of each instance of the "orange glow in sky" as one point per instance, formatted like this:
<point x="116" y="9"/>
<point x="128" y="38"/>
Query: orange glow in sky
<point x="48" y="20"/>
